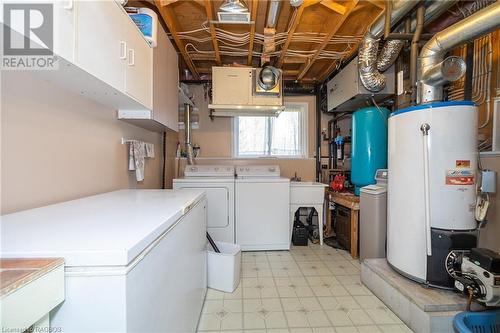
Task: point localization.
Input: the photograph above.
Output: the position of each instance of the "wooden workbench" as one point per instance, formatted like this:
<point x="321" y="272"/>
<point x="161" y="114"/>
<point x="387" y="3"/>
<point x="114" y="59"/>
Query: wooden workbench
<point x="350" y="201"/>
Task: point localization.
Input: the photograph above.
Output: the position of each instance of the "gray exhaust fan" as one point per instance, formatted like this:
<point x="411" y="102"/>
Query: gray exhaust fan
<point x="234" y="11"/>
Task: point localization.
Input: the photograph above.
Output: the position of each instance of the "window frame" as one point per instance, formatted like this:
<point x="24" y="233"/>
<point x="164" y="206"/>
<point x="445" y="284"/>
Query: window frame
<point x="303" y="132"/>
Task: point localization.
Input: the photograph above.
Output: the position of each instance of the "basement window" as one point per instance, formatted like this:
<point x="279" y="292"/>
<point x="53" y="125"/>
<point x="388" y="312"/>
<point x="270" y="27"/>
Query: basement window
<point x="284" y="136"/>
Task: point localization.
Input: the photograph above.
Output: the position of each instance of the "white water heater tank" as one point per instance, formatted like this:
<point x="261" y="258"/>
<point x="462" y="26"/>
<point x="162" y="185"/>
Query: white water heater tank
<point x="432" y="160"/>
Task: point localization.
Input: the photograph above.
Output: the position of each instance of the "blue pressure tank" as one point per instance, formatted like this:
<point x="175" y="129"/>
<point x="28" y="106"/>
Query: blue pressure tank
<point x="369" y="145"/>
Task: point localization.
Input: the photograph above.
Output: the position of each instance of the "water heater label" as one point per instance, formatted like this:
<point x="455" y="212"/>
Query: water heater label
<point x="460" y="177"/>
<point x="465" y="164"/>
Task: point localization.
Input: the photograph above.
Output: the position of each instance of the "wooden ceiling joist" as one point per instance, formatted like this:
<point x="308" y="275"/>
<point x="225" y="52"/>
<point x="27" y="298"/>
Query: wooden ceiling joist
<point x="336" y="7"/>
<point x="293" y="25"/>
<point x="338" y="24"/>
<point x="295" y="60"/>
<point x="253" y="16"/>
<point x="169" y="18"/>
<point x="202" y="57"/>
<point x="213" y="35"/>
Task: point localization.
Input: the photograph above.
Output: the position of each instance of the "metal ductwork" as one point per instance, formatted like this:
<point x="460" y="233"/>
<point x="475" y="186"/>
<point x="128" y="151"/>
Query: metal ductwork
<point x="273" y="14"/>
<point x="371" y="78"/>
<point x="187" y="133"/>
<point x="434" y="71"/>
<point x="370" y="63"/>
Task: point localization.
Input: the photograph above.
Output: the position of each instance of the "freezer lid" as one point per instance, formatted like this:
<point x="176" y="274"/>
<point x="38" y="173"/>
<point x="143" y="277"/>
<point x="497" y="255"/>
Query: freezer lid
<point x="109" y="229"/>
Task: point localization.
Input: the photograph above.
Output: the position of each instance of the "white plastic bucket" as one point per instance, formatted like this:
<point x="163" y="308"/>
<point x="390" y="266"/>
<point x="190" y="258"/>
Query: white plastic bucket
<point x="224" y="268"/>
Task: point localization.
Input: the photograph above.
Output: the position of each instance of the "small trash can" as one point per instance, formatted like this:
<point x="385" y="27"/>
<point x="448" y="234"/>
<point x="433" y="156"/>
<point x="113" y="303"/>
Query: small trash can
<point x="224" y="267"/>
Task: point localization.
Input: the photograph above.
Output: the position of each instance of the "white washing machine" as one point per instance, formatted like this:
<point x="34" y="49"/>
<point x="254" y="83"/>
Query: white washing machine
<point x="262" y="206"/>
<point x="218" y="183"/>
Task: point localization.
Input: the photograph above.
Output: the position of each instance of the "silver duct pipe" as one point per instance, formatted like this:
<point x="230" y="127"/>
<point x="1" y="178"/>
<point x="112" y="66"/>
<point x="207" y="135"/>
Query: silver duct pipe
<point x="393" y="47"/>
<point x="370" y="65"/>
<point x="273" y="14"/>
<point x="432" y="66"/>
<point x="371" y="78"/>
<point x="187" y="133"/>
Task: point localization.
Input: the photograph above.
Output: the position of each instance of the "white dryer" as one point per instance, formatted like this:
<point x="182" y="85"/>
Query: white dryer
<point x="218" y="183"/>
<point x="262" y="206"/>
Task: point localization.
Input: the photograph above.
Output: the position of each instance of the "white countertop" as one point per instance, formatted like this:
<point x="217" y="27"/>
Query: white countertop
<point x="106" y="229"/>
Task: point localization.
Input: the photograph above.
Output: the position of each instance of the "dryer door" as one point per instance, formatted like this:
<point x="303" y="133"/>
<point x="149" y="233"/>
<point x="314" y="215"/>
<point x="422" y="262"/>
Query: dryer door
<point x="220" y="210"/>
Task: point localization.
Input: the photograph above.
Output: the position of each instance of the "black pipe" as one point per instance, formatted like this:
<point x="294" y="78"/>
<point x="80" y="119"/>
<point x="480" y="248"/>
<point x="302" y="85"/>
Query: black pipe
<point x="318" y="132"/>
<point x="469" y="61"/>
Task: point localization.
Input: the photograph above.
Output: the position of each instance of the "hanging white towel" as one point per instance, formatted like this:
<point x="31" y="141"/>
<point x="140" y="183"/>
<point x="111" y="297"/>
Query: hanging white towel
<point x="150" y="150"/>
<point x="138" y="153"/>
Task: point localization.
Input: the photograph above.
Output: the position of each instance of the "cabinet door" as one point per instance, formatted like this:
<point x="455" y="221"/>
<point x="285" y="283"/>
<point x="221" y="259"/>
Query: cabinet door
<point x="64" y="29"/>
<point x="172" y="87"/>
<point x="165" y="82"/>
<point x="138" y="74"/>
<point x="100" y="49"/>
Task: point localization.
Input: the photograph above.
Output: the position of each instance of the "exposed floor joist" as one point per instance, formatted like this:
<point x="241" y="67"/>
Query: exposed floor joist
<point x="213" y="34"/>
<point x="253" y="16"/>
<point x="305" y="68"/>
<point x="293" y="25"/>
<point x="168" y="17"/>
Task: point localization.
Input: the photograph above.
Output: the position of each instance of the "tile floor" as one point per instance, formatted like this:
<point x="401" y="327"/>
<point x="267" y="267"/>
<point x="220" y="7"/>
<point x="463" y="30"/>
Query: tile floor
<point x="309" y="289"/>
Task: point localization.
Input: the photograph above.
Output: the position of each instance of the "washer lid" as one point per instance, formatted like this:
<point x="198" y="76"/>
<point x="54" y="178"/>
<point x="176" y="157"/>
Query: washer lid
<point x="208" y="171"/>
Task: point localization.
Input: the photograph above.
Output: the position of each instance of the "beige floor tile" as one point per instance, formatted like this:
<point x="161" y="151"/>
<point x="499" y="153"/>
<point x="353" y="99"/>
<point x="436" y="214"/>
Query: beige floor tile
<point x="394" y="329"/>
<point x="214" y="294"/>
<point x="329" y="303"/>
<point x="368" y="329"/>
<point x="295" y="291"/>
<point x="323" y="330"/>
<point x="209" y="322"/>
<point x="298" y="281"/>
<point x="325" y="281"/>
<point x="253" y="320"/>
<point x="347" y="302"/>
<point x="346" y="329"/>
<point x="369" y="302"/>
<point x="339" y="317"/>
<point x="348" y="279"/>
<point x="360" y="317"/>
<point x="262" y="304"/>
<point x="309" y="289"/>
<point x="301" y="330"/>
<point x="382" y="316"/>
<point x="232" y="321"/>
<point x="357" y="289"/>
<point x="276" y="320"/>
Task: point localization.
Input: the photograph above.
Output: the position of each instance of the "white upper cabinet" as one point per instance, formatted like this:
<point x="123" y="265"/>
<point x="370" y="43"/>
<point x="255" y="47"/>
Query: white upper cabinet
<point x="139" y="66"/>
<point x="165" y="82"/>
<point x="64" y="27"/>
<point x="100" y="48"/>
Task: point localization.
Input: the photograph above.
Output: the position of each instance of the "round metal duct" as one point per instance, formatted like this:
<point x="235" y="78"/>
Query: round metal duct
<point x="269" y="77"/>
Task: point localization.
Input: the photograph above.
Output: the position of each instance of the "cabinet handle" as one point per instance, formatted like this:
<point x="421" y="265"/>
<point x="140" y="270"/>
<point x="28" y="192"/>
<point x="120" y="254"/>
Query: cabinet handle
<point x="68" y="5"/>
<point x="131" y="57"/>
<point x="123" y="50"/>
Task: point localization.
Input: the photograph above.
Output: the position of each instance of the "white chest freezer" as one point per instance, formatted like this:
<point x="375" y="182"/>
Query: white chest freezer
<point x="135" y="259"/>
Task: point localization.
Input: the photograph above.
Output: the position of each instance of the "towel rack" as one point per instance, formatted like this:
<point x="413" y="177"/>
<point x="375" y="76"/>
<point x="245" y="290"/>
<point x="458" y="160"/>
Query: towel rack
<point x="125" y="141"/>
